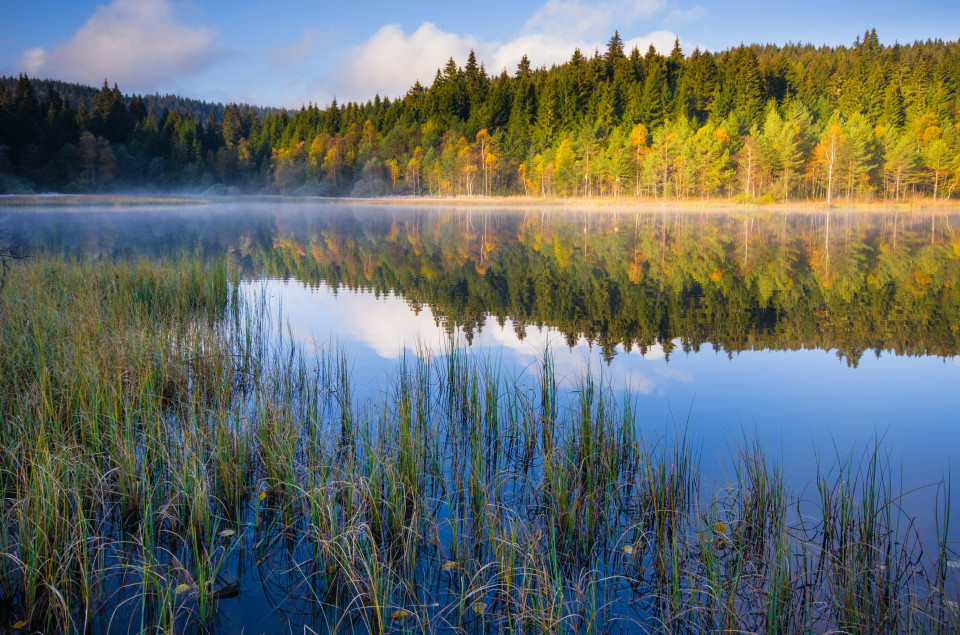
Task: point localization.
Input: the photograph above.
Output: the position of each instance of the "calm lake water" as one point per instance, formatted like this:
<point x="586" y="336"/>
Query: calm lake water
<point x="811" y="330"/>
<point x="818" y="333"/>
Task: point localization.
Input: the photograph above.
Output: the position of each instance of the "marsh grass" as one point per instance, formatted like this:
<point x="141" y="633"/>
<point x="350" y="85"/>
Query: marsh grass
<point x="166" y="446"/>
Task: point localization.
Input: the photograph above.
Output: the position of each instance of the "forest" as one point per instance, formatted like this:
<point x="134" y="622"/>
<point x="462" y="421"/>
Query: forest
<point x="755" y="123"/>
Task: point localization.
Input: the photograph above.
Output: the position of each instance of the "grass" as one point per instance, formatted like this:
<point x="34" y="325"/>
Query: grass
<point x="165" y="446"/>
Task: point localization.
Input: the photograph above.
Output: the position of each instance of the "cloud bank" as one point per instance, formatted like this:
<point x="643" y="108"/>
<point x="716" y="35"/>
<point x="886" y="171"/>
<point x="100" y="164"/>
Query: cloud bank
<point x="291" y="55"/>
<point x="391" y="60"/>
<point x="144" y="46"/>
<point x="574" y="19"/>
<point x="136" y="43"/>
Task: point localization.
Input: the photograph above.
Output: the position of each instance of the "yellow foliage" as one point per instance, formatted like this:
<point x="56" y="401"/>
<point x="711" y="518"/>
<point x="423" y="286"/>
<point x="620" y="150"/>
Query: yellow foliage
<point x="635" y="271"/>
<point x="285" y="243"/>
<point x="562" y="250"/>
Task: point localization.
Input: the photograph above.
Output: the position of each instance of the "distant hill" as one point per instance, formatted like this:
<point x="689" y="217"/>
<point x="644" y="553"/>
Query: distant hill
<point x="78" y="94"/>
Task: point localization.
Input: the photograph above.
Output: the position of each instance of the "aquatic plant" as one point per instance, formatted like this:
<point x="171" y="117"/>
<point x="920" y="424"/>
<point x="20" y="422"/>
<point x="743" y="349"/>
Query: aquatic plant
<point x="167" y="445"/>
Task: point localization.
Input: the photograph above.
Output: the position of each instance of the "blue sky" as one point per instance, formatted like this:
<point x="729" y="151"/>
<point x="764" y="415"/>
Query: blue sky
<point x="287" y="53"/>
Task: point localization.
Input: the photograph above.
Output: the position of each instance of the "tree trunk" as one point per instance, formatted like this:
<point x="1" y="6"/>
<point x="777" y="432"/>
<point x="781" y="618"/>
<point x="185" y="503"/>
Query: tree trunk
<point x="830" y="183"/>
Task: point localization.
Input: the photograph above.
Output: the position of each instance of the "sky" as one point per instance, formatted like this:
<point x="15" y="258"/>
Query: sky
<point x="288" y="53"/>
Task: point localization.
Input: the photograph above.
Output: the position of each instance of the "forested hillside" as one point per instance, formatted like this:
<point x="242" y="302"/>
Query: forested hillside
<point x="81" y="95"/>
<point x="759" y="122"/>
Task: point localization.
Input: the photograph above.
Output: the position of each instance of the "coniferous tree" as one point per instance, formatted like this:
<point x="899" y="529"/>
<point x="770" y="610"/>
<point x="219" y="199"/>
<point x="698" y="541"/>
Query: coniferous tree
<point x="792" y="121"/>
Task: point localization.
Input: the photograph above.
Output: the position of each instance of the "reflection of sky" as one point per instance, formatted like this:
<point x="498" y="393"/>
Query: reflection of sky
<point x="801" y="404"/>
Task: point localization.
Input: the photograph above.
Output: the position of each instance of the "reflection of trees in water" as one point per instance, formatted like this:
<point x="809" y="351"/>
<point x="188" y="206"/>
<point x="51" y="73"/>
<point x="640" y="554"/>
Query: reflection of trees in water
<point x="741" y="281"/>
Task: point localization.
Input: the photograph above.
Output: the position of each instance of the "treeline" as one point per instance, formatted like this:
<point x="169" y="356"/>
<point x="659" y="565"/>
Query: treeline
<point x="81" y="95"/>
<point x="73" y="138"/>
<point x="758" y="122"/>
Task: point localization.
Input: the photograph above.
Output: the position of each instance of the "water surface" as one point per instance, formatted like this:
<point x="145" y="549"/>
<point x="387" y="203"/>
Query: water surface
<point x="819" y="333"/>
<point x="810" y="328"/>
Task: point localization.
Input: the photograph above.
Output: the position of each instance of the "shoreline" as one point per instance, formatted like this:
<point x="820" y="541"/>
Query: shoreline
<point x="621" y="204"/>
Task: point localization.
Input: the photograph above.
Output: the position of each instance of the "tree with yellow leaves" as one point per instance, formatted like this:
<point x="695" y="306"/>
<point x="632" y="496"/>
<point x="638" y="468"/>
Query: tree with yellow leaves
<point x="829" y="153"/>
<point x="638" y="141"/>
<point x="413" y="170"/>
<point x="482" y="142"/>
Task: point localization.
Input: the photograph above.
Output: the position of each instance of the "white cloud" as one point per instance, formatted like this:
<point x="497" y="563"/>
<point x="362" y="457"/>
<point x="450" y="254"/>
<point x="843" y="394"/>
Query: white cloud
<point x="33" y="60"/>
<point x="541" y="49"/>
<point x="686" y="15"/>
<point x="136" y="43"/>
<point x="663" y="41"/>
<point x="391" y="60"/>
<point x="574" y="19"/>
<point x="654" y="353"/>
<point x="290" y="55"/>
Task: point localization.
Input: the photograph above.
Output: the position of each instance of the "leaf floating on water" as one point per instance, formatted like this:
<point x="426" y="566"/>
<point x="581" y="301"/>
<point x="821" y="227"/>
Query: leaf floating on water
<point x="227" y="591"/>
<point x="20" y="624"/>
<point x="400" y="614"/>
<point x="226" y="533"/>
<point x="182" y="588"/>
<point x="450" y="565"/>
<point x="628" y="549"/>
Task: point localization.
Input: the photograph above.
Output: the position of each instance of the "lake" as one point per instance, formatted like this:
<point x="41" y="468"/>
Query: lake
<point x="815" y="336"/>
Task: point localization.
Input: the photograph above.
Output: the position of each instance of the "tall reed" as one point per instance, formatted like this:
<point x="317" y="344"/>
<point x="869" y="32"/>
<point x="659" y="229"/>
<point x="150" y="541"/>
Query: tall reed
<point x="167" y="444"/>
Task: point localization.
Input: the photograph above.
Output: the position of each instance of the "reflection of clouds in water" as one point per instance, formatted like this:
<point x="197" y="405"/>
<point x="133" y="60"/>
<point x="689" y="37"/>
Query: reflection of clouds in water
<point x="389" y="327"/>
<point x="682" y="376"/>
<point x="570" y="364"/>
<point x="654" y="352"/>
<point x="768" y="388"/>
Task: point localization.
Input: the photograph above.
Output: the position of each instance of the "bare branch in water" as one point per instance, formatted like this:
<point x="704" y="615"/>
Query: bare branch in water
<point x="8" y="253"/>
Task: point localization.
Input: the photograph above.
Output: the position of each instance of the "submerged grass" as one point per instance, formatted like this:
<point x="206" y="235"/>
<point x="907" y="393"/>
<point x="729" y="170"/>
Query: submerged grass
<point x="166" y="447"/>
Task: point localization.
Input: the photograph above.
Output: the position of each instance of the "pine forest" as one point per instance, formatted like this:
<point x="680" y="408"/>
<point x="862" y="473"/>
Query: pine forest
<point x="757" y="123"/>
